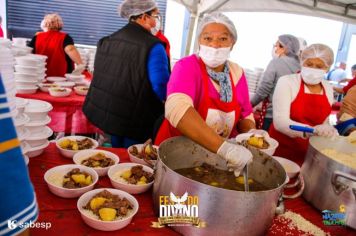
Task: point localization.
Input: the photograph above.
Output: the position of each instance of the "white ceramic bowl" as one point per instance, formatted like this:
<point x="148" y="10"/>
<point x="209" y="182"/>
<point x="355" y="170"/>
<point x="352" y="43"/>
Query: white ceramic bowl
<point x="40" y="137"/>
<point x="45" y="86"/>
<point x="59" y="92"/>
<point x="116" y="170"/>
<point x="70" y="153"/>
<point x="65" y="84"/>
<point x="26" y="83"/>
<point x="56" y="79"/>
<point x="41" y="58"/>
<point x="74" y="78"/>
<point x="291" y="168"/>
<point x="36" y="116"/>
<point x="81" y="90"/>
<point x="36" y="151"/>
<point x="106" y="225"/>
<point x="26" y="76"/>
<point x="54" y="178"/>
<point x="33" y="70"/>
<point x="85" y="154"/>
<point x="27" y="61"/>
<point x="138" y="160"/>
<point x="26" y="89"/>
<point x="273" y="144"/>
<point x="22" y="133"/>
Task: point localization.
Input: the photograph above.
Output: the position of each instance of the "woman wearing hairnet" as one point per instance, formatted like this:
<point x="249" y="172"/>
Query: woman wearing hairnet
<point x="285" y="61"/>
<point x="208" y="95"/>
<point x="303" y="99"/>
<point x="57" y="46"/>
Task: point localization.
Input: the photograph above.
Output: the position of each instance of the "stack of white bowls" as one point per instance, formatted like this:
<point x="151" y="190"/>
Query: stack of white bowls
<point x="7" y="73"/>
<point x="92" y="53"/>
<point x="19" y="47"/>
<point x="253" y="78"/>
<point x="38" y="119"/>
<point x="77" y="79"/>
<point x="30" y="71"/>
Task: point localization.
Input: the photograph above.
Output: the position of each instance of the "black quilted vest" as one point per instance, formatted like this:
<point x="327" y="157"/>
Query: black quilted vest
<point x="121" y="100"/>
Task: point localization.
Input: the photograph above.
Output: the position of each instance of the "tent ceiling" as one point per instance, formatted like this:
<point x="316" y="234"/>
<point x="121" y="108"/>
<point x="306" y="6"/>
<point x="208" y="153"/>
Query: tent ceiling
<point x="342" y="10"/>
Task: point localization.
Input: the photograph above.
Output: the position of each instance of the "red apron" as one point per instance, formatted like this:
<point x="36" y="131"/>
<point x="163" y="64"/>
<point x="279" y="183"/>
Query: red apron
<point x="51" y="44"/>
<point x="220" y="116"/>
<point x="309" y="109"/>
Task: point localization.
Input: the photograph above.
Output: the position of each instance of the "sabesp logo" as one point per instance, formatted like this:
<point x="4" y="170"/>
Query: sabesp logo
<point x="13" y="224"/>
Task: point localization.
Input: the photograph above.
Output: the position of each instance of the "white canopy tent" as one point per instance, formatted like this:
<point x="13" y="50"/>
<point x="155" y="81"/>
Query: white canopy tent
<point x="341" y="10"/>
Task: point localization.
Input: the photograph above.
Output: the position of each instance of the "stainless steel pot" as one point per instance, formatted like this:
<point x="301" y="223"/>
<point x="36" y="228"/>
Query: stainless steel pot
<point x="328" y="183"/>
<point x="225" y="212"/>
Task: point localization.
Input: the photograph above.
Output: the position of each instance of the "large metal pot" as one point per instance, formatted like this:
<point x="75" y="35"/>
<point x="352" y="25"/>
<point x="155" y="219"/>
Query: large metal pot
<point x="226" y="212"/>
<point x="328" y="183"/>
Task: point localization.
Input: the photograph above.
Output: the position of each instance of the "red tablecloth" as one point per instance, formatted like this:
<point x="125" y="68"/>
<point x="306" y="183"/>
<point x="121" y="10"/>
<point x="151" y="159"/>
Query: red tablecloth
<point x="67" y="115"/>
<point x="66" y="220"/>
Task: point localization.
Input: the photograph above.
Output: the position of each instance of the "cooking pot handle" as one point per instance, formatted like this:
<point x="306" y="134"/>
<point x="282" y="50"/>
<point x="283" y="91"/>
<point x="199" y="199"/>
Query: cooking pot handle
<point x="338" y="185"/>
<point x="300" y="182"/>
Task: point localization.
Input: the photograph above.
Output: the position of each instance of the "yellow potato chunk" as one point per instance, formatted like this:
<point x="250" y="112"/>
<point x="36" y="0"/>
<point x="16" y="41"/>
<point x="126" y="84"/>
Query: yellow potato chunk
<point x="148" y="150"/>
<point x="96" y="163"/>
<point x="79" y="178"/>
<point x="126" y="174"/>
<point x="141" y="182"/>
<point x="107" y="214"/>
<point x="88" y="180"/>
<point x="214" y="183"/>
<point x="66" y="180"/>
<point x="65" y="143"/>
<point x="255" y="141"/>
<point x="241" y="180"/>
<point x="97" y="202"/>
<point x="75" y="146"/>
<point x="143" y="179"/>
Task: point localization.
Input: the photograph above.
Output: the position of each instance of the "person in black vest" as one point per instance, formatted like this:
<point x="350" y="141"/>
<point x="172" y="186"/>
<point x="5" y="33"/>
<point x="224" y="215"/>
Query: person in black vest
<point x="131" y="73"/>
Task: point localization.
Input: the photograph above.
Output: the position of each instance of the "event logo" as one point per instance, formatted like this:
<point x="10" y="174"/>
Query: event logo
<point x="178" y="211"/>
<point x="13" y="224"/>
<point x="335" y="218"/>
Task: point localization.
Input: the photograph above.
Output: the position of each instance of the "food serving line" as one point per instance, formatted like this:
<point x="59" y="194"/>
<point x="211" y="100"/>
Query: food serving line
<point x="65" y="218"/>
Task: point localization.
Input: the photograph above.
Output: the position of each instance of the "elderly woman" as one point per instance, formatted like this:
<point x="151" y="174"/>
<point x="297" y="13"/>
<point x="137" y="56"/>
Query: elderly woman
<point x="208" y="95"/>
<point x="285" y="61"/>
<point x="57" y="46"/>
<point x="303" y="99"/>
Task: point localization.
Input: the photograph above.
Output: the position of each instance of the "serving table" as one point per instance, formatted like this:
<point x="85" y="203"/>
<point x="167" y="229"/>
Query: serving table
<point x="65" y="219"/>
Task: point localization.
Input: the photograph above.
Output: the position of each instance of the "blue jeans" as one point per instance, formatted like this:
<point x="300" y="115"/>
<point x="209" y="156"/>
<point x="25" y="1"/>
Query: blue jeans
<point x="122" y="142"/>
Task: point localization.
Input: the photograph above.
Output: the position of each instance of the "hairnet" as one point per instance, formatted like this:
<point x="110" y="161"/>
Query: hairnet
<point x="52" y="22"/>
<point x="135" y="7"/>
<point x="302" y="44"/>
<point x="220" y="18"/>
<point x="320" y="51"/>
<point x="290" y="43"/>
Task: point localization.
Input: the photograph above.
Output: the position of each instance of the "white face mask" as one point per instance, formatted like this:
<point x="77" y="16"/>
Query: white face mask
<point x="155" y="29"/>
<point x="311" y="75"/>
<point x="274" y="54"/>
<point x="214" y="57"/>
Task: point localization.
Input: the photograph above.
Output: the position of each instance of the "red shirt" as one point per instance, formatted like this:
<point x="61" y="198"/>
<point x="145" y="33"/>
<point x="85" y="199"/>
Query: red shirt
<point x="349" y="85"/>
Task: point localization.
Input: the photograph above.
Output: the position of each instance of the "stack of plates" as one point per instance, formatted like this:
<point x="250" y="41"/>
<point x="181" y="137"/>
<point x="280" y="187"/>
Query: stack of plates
<point x="30" y="71"/>
<point x="7" y="73"/>
<point x="19" y="47"/>
<point x="253" y="78"/>
<point x="77" y="79"/>
<point x="35" y="118"/>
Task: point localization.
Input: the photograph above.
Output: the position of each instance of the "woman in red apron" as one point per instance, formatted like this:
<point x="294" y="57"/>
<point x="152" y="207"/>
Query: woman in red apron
<point x="310" y="108"/>
<point x="57" y="46"/>
<point x="193" y="110"/>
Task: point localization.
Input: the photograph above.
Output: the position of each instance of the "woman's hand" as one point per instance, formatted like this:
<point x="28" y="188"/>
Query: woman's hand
<point x="237" y="156"/>
<point x="326" y="130"/>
